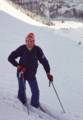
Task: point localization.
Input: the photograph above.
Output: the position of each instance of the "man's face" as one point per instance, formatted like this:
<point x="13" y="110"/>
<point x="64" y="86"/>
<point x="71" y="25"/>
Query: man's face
<point x="30" y="42"/>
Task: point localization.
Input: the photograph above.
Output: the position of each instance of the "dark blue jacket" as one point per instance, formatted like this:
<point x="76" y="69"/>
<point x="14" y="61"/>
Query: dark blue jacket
<point x="30" y="60"/>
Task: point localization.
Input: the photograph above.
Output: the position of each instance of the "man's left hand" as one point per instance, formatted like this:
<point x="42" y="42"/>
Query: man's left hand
<point x="50" y="77"/>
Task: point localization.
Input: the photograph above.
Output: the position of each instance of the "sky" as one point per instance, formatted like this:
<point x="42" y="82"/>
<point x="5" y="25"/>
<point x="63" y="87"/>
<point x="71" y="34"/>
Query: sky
<point x="65" y="56"/>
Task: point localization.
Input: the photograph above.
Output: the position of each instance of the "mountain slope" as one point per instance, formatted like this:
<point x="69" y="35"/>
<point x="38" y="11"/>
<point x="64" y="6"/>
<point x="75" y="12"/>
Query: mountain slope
<point x="11" y="10"/>
<point x="54" y="9"/>
<point x="65" y="58"/>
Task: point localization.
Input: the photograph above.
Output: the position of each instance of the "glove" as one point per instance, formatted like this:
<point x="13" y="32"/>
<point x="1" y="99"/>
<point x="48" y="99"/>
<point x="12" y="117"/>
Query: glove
<point x="21" y="68"/>
<point x="50" y="77"/>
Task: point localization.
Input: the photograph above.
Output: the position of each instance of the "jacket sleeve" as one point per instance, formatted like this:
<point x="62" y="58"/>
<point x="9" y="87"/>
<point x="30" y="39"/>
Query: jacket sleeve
<point x="14" y="55"/>
<point x="43" y="60"/>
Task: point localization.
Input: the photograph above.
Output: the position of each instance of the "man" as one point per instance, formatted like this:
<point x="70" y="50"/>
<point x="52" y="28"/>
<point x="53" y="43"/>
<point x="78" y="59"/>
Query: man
<point x="29" y="55"/>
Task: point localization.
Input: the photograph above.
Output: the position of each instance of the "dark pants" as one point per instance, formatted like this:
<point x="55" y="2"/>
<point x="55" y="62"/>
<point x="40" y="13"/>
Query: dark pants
<point x="34" y="90"/>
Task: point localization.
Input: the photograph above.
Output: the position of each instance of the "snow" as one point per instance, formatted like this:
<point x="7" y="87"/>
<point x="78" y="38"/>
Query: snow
<point x="7" y="7"/>
<point x="65" y="55"/>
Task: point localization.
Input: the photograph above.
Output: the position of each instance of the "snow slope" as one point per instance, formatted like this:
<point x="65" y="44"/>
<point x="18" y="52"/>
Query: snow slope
<point x="7" y="7"/>
<point x="65" y="57"/>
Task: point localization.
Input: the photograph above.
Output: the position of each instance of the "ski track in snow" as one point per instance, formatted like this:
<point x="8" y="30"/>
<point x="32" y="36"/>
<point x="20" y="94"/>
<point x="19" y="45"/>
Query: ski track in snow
<point x="15" y="105"/>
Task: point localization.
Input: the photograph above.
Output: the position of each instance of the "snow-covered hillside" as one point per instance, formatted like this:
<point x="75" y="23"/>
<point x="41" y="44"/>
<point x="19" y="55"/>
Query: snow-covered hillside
<point x="65" y="57"/>
<point x="54" y="9"/>
<point x="7" y="7"/>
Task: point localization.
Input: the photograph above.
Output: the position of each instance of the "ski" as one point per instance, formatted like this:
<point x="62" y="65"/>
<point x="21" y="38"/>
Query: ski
<point x="47" y="112"/>
<point x="40" y="112"/>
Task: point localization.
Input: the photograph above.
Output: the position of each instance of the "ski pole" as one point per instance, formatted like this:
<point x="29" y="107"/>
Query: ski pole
<point x="58" y="98"/>
<point x="27" y="106"/>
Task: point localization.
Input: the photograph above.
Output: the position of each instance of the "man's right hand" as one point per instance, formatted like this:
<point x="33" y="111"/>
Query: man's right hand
<point x="21" y="68"/>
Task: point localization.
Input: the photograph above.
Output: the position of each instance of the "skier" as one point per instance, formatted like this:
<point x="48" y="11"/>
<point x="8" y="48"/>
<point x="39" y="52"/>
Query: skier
<point x="29" y="55"/>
